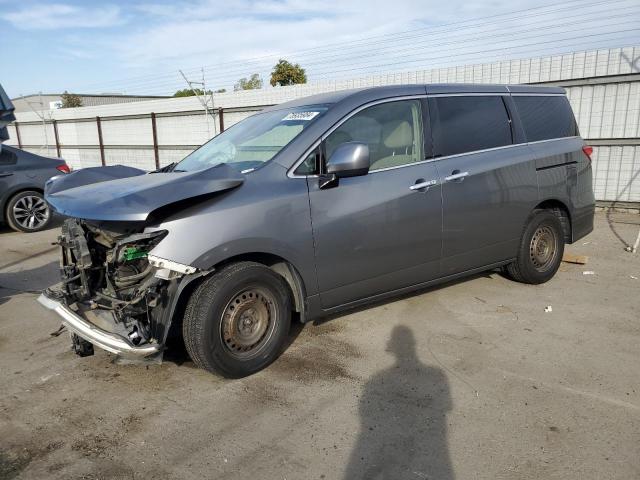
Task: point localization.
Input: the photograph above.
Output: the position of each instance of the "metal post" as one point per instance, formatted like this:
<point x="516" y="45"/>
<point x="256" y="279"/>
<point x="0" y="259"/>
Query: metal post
<point x="55" y="133"/>
<point x="221" y="119"/>
<point x="15" y="124"/>
<point x="100" y="141"/>
<point x="154" y="130"/>
<point x="44" y="124"/>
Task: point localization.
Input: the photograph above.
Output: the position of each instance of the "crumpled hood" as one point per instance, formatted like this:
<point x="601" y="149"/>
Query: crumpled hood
<point x="128" y="194"/>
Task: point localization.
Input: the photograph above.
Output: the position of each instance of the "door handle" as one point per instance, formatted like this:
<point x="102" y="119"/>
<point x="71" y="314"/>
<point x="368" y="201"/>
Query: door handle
<point x="456" y="175"/>
<point x="5" y="174"/>
<point x="421" y="185"/>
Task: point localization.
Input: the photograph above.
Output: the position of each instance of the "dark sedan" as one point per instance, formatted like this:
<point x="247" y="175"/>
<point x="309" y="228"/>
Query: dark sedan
<point x="22" y="179"/>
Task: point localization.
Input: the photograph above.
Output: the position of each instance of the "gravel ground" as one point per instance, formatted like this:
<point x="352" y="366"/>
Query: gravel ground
<point x="471" y="380"/>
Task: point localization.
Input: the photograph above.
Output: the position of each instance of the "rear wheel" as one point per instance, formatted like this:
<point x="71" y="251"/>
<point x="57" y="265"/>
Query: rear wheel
<point x="236" y="322"/>
<point x="28" y="212"/>
<point x="541" y="249"/>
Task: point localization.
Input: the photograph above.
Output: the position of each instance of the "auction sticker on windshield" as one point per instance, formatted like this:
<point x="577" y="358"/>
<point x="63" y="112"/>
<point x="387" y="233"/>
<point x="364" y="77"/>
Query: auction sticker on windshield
<point x="306" y="116"/>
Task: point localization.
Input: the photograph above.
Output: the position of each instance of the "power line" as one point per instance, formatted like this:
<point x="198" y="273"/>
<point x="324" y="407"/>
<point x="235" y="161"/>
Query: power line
<point x="395" y="36"/>
<point x="521" y="50"/>
<point x="431" y="45"/>
<point x="229" y="75"/>
<point x="346" y="57"/>
<point x="353" y="44"/>
<point x="490" y="50"/>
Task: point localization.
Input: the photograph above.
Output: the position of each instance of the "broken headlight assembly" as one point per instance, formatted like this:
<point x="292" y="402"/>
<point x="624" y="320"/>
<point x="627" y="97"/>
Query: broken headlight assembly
<point x="111" y="279"/>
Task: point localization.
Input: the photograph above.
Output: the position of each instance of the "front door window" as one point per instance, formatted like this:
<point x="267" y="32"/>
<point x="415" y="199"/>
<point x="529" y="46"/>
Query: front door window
<point x="392" y="130"/>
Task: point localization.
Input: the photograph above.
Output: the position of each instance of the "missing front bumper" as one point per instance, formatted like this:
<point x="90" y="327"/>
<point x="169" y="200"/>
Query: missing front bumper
<point x="108" y="341"/>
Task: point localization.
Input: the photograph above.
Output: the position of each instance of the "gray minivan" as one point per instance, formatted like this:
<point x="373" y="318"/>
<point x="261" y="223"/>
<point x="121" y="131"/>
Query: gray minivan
<point x="315" y="206"/>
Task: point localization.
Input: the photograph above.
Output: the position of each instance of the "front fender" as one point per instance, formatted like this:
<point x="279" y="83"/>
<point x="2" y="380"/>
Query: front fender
<point x="260" y="217"/>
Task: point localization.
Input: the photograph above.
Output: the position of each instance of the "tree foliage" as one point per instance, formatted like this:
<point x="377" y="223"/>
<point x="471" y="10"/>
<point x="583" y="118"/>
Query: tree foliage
<point x="191" y="92"/>
<point x="287" y="73"/>
<point x="251" y="83"/>
<point x="70" y="100"/>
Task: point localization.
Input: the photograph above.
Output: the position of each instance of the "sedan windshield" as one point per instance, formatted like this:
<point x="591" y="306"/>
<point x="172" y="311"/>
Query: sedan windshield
<point x="253" y="141"/>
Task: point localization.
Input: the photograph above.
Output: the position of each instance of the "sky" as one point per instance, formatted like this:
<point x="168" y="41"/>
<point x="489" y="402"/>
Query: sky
<point x="138" y="47"/>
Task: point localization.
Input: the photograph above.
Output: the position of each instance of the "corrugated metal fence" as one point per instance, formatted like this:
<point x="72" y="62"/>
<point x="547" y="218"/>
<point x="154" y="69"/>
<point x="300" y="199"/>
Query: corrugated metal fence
<point x="603" y="87"/>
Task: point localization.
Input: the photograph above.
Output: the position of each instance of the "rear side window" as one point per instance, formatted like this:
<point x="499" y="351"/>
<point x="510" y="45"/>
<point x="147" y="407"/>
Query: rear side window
<point x="465" y="124"/>
<point x="544" y="118"/>
<point x="7" y="157"/>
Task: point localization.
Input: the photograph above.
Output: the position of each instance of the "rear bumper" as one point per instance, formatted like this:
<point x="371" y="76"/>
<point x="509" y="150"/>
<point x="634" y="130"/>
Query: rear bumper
<point x="582" y="224"/>
<point x="100" y="338"/>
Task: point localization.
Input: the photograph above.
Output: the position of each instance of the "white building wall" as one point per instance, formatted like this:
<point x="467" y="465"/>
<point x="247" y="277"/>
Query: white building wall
<point x="616" y="172"/>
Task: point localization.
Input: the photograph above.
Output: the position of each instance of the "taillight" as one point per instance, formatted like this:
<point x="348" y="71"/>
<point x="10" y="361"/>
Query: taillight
<point x="64" y="168"/>
<point x="588" y="150"/>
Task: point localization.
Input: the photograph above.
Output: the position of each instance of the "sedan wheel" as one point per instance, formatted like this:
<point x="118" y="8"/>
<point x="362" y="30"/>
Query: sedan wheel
<point x="28" y="212"/>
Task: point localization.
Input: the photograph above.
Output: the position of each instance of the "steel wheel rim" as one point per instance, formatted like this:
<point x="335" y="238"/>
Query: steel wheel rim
<point x="248" y="322"/>
<point x="543" y="248"/>
<point x="30" y="212"/>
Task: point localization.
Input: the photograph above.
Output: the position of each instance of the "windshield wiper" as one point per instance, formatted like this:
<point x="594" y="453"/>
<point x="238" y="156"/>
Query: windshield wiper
<point x="166" y="168"/>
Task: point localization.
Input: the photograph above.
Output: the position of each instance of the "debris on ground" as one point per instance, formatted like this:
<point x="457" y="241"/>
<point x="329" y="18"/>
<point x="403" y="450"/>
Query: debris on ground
<point x="572" y="258"/>
<point x="588" y="272"/>
<point x="548" y="309"/>
<point x="633" y="277"/>
<point x="634" y="248"/>
<point x="58" y="331"/>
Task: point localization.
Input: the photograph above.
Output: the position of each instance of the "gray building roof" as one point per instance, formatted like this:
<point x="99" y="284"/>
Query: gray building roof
<point x="47" y="101"/>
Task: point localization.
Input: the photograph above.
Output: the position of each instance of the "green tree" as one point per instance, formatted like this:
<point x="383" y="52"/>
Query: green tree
<point x="70" y="100"/>
<point x="287" y="73"/>
<point x="251" y="83"/>
<point x="220" y="90"/>
<point x="190" y="92"/>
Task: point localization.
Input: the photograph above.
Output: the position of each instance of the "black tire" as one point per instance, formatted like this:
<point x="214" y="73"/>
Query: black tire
<point x="39" y="212"/>
<point x="535" y="264"/>
<point x="216" y="334"/>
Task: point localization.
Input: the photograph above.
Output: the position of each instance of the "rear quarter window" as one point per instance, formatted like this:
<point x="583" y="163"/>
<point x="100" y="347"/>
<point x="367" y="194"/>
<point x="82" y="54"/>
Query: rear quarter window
<point x="546" y="117"/>
<point x="7" y="157"/>
<point x="463" y="124"/>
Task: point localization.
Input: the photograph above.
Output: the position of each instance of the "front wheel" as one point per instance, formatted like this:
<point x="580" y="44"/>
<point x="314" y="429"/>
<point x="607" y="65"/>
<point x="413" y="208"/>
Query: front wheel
<point x="237" y="321"/>
<point x="541" y="249"/>
<point x="28" y="212"/>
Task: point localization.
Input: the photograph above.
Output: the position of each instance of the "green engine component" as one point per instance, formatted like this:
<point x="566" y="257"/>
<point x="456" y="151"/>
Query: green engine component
<point x="133" y="253"/>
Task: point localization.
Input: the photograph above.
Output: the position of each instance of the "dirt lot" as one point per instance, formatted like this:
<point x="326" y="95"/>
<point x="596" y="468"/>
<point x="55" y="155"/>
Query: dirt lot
<point x="468" y="380"/>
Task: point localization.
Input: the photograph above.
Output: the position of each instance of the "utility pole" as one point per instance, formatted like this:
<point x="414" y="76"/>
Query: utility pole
<point x="206" y="100"/>
<point x="40" y="113"/>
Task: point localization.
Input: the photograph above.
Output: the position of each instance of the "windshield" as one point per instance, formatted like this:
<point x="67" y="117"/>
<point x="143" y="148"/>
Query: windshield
<point x="253" y="141"/>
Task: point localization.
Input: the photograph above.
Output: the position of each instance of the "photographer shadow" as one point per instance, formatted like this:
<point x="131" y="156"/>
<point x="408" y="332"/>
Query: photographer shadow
<point x="403" y="414"/>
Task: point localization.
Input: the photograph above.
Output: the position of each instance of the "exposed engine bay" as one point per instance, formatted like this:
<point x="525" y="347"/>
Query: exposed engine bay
<point x="109" y="279"/>
<point x="114" y="293"/>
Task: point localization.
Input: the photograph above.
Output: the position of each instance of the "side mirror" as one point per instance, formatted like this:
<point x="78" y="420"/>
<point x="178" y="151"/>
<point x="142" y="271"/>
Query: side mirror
<point x="350" y="159"/>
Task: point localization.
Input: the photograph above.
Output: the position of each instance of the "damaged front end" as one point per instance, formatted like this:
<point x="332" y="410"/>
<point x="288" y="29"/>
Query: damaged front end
<point x="114" y="294"/>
